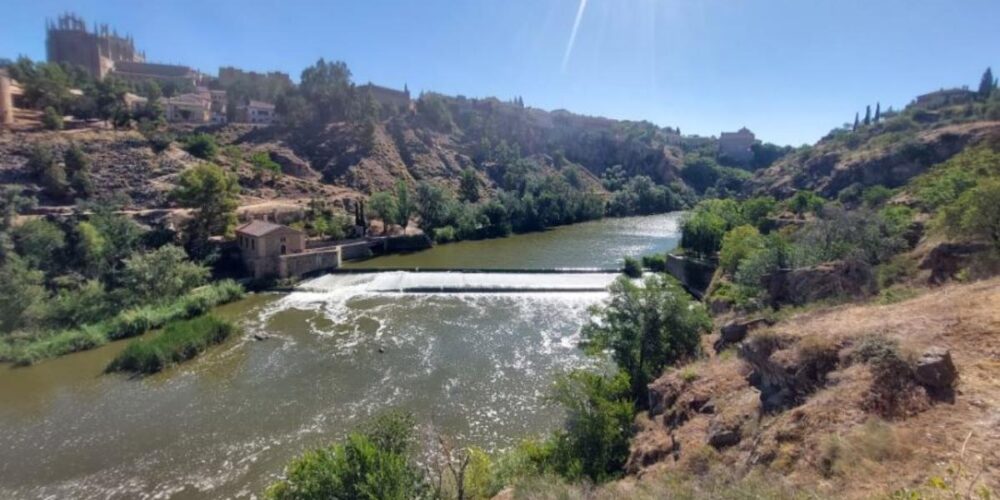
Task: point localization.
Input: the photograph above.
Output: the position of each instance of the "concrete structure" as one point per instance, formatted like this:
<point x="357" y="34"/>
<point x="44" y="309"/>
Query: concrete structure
<point x="737" y="145"/>
<point x="188" y="108"/>
<point x="274" y="250"/>
<point x="258" y="112"/>
<point x="68" y="41"/>
<point x="134" y="102"/>
<point x="387" y="97"/>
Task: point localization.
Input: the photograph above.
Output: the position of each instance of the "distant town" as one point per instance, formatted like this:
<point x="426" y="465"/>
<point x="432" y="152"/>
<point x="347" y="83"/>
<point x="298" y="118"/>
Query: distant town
<point x="196" y="97"/>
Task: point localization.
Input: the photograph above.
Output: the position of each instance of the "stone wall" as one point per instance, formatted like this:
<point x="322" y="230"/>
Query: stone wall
<point x="308" y="262"/>
<point x="695" y="275"/>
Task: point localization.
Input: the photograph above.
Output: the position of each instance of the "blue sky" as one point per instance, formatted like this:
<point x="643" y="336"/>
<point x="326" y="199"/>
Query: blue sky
<point x="788" y="69"/>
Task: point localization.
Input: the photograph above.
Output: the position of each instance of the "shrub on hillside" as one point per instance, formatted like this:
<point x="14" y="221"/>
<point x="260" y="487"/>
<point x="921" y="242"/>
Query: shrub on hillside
<point x="647" y="327"/>
<point x="52" y="119"/>
<point x="201" y="146"/>
<point x="737" y="245"/>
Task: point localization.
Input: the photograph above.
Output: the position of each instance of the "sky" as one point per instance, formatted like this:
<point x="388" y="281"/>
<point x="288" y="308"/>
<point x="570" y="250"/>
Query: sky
<point x="790" y="70"/>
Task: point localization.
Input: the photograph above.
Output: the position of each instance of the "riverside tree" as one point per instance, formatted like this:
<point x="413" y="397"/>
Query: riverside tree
<point x="647" y="327"/>
<point x="212" y="192"/>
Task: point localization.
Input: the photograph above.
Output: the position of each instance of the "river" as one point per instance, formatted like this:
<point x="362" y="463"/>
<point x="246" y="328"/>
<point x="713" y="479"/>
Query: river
<point x="475" y="366"/>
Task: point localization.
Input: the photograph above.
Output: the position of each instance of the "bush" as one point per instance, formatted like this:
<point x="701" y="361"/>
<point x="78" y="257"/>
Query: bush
<point x="632" y="268"/>
<point x="371" y="463"/>
<point x="444" y="234"/>
<point x="595" y="440"/>
<point x="976" y="214"/>
<point x="647" y="327"/>
<point x="179" y="342"/>
<point x="876" y="196"/>
<point x="702" y="232"/>
<point x="656" y="263"/>
<point x="805" y="202"/>
<point x="52" y="119"/>
<point x="737" y="245"/>
<point x="201" y="146"/>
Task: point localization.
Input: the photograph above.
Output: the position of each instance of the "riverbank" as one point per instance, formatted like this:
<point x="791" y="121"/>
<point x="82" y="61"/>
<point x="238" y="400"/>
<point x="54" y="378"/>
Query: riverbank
<point x="27" y="350"/>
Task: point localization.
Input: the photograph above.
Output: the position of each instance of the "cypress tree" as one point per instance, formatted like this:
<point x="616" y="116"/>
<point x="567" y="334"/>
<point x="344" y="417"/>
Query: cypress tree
<point x="868" y="115"/>
<point x="855" y="122"/>
<point x="987" y="84"/>
<point x="878" y="111"/>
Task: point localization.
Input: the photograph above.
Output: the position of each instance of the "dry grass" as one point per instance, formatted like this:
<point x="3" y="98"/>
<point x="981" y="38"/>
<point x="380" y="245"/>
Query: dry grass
<point x="830" y="444"/>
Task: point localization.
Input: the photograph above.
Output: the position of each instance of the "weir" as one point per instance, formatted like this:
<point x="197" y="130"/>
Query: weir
<point x="463" y="281"/>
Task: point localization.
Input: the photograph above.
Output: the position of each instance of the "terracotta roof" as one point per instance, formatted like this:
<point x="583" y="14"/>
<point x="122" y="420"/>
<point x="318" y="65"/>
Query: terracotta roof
<point x="262" y="227"/>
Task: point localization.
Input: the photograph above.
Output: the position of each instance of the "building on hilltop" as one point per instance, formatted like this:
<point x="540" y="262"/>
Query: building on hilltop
<point x="256" y="112"/>
<point x="103" y="52"/>
<point x="68" y="41"/>
<point x="737" y="146"/>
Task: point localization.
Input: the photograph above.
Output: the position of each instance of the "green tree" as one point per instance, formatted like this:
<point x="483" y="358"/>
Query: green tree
<point x="78" y="169"/>
<point x="647" y="327"/>
<point x="40" y="243"/>
<point x="12" y="202"/>
<point x="383" y="205"/>
<point x="632" y="268"/>
<point x="201" y="146"/>
<point x="212" y="192"/>
<point x="868" y="115"/>
<point x="404" y="204"/>
<point x="434" y="205"/>
<point x="160" y="275"/>
<point x="976" y="214"/>
<point x="52" y="119"/>
<point x="595" y="440"/>
<point x="878" y="111"/>
<point x="48" y="171"/>
<point x="372" y="463"/>
<point x="738" y="244"/>
<point x="469" y="186"/>
<point x="22" y="296"/>
<point x="987" y="83"/>
<point x="702" y="232"/>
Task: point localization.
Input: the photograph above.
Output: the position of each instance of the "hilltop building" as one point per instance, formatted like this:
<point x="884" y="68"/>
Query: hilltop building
<point x="103" y="51"/>
<point x="736" y="146"/>
<point x="256" y="112"/>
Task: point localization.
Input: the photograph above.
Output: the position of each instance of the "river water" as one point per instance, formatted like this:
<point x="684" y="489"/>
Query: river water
<point x="474" y="364"/>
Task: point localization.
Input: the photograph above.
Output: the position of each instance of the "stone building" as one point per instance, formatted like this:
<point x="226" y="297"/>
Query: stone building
<point x="270" y="250"/>
<point x="103" y="51"/>
<point x="736" y="146"/>
<point x="188" y="108"/>
<point x="68" y="41"/>
<point x="258" y="112"/>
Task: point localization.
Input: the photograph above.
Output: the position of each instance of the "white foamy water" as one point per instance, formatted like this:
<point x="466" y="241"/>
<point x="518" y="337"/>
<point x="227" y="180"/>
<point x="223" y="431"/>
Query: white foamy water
<point x="457" y="282"/>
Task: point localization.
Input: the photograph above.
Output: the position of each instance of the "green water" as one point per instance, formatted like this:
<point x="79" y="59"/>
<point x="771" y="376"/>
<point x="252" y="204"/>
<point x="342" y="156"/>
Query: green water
<point x="600" y="244"/>
<point x="475" y="366"/>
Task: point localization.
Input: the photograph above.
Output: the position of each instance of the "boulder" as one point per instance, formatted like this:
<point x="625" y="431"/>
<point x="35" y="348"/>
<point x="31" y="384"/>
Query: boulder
<point x="839" y="278"/>
<point x="722" y="435"/>
<point x="945" y="260"/>
<point x="737" y="330"/>
<point x="935" y="369"/>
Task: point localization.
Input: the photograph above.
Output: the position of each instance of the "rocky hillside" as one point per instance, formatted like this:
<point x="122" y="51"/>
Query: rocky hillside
<point x="481" y="134"/>
<point x="889" y="152"/>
